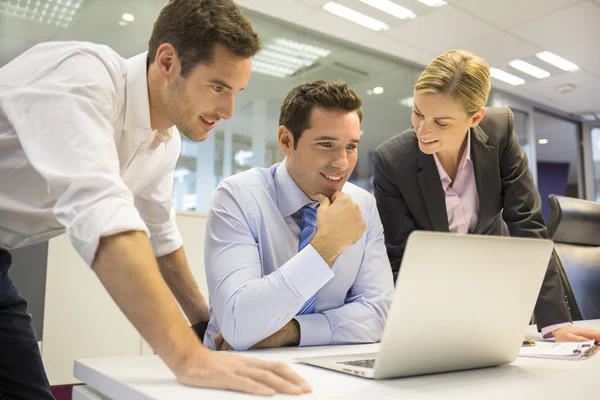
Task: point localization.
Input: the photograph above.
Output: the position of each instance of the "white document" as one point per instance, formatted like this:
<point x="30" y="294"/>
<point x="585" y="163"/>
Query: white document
<point x="563" y="350"/>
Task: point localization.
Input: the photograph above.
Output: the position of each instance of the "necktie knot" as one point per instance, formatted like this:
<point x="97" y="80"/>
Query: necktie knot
<point x="309" y="226"/>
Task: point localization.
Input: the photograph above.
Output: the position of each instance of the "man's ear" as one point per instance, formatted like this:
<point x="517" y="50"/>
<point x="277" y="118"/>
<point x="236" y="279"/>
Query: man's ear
<point x="167" y="61"/>
<point x="285" y="139"/>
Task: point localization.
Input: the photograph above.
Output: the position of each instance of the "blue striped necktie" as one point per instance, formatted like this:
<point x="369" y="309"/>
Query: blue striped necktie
<point x="309" y="228"/>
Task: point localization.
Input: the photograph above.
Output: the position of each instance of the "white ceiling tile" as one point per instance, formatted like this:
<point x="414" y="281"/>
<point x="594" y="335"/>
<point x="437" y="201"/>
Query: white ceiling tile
<point x="23" y="29"/>
<point x="311" y="3"/>
<point x="584" y="82"/>
<point x="507" y="13"/>
<point x="586" y="54"/>
<point x="332" y="25"/>
<point x="286" y="10"/>
<point x="499" y="48"/>
<point x="586" y="101"/>
<point x="98" y="23"/>
<point x="563" y="27"/>
<point x="394" y="48"/>
<point x="11" y="48"/>
<point x="442" y="30"/>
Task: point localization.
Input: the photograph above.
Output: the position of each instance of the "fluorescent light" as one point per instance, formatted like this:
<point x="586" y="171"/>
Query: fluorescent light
<point x="127" y="17"/>
<point x="589" y="117"/>
<point x="370" y="92"/>
<point x="305" y="49"/>
<point x="378" y="90"/>
<point x="52" y="12"/>
<point x="270" y="69"/>
<point x="506" y="77"/>
<point x="283" y="57"/>
<point x="557" y="61"/>
<point x="434" y="3"/>
<point x="408" y="102"/>
<point x="543" y="141"/>
<point x="355" y="16"/>
<point x="529" y="69"/>
<point x="391" y="8"/>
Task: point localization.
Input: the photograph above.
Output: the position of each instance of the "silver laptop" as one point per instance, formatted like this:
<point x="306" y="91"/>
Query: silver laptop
<point x="461" y="302"/>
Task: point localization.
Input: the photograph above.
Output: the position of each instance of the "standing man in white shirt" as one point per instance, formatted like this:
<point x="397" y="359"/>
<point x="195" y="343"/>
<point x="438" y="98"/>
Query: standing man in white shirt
<point x="87" y="147"/>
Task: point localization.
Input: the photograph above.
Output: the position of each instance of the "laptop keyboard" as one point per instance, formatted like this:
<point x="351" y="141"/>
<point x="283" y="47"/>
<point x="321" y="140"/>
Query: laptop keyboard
<point x="370" y="363"/>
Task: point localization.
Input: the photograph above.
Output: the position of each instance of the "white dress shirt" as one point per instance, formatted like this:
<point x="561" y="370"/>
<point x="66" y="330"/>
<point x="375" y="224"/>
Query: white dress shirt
<point x="77" y="152"/>
<point x="258" y="280"/>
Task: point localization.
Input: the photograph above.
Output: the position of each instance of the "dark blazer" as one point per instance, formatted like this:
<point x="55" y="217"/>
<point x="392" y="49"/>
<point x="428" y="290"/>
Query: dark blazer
<point x="410" y="197"/>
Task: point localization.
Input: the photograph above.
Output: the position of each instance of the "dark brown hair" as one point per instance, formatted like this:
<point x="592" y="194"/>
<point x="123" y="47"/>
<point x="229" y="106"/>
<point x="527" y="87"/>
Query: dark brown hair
<point x="297" y="107"/>
<point x="194" y="27"/>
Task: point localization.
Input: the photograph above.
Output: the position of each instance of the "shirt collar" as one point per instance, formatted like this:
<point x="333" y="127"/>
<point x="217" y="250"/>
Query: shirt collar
<point x="290" y="198"/>
<point x="466" y="157"/>
<point x="137" y="107"/>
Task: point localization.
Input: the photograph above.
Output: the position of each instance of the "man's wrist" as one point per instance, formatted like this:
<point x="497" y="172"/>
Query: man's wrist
<point x="325" y="249"/>
<point x="293" y="336"/>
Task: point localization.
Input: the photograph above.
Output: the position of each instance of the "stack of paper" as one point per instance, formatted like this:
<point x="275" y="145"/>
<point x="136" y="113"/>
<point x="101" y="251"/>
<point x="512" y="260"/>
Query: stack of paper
<point x="563" y="350"/>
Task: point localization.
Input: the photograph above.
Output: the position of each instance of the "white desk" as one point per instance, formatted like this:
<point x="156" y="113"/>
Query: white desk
<point x="146" y="378"/>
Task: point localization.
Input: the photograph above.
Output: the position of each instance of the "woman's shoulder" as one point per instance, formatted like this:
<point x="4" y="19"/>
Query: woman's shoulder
<point x="497" y="124"/>
<point x="399" y="146"/>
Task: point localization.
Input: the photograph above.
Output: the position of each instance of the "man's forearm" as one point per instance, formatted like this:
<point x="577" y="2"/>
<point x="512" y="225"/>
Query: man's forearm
<point x="127" y="268"/>
<point x="176" y="272"/>
<point x="289" y="335"/>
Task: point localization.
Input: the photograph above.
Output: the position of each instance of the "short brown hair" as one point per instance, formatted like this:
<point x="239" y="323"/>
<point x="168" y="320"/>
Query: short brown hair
<point x="460" y="74"/>
<point x="297" y="107"/>
<point x="194" y="27"/>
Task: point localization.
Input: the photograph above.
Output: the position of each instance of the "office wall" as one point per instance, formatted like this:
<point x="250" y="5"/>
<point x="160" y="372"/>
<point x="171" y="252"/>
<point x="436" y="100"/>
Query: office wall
<point x="552" y="179"/>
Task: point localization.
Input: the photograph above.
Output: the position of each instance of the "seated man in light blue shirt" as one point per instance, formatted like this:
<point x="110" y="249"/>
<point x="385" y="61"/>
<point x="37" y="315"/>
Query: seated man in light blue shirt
<point x="294" y="254"/>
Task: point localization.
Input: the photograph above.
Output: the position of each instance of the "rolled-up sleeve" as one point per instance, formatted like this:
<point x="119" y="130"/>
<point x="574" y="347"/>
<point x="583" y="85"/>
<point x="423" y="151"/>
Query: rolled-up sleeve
<point x="64" y="122"/>
<point x="155" y="206"/>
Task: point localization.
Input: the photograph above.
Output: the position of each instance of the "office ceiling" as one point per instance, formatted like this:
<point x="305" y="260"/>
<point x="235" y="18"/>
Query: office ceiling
<point x="499" y="31"/>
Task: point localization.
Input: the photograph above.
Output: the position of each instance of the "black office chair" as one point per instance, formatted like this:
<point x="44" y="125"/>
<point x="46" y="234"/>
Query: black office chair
<point x="575" y="229"/>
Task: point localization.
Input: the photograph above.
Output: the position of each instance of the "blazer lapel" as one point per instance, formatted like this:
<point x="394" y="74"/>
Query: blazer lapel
<point x="433" y="192"/>
<point x="485" y="164"/>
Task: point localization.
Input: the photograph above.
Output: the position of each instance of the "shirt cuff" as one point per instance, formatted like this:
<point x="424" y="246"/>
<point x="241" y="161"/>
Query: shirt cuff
<point x="107" y="217"/>
<point x="307" y="272"/>
<point x="547" y="331"/>
<point x="314" y="329"/>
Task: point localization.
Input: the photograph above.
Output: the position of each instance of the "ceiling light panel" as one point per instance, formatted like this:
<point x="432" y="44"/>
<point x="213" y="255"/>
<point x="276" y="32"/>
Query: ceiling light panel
<point x="52" y="12"/>
<point x="557" y="61"/>
<point x="433" y="3"/>
<point x="391" y="8"/>
<point x="529" y="69"/>
<point x="283" y="57"/>
<point x="506" y="77"/>
<point x="355" y="16"/>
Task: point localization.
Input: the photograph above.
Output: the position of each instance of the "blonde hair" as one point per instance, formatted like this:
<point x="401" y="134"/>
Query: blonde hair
<point x="460" y="74"/>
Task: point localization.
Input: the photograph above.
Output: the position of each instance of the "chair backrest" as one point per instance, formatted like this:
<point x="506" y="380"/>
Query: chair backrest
<point x="575" y="229"/>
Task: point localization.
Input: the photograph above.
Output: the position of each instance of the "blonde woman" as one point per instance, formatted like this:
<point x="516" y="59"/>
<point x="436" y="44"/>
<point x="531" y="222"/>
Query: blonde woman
<point x="461" y="169"/>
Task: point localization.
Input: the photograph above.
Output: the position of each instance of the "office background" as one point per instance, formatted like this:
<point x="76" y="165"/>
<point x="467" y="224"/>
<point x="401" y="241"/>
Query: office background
<point x="557" y="118"/>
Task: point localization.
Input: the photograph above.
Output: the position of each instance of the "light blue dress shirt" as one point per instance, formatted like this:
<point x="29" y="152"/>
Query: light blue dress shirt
<point x="258" y="280"/>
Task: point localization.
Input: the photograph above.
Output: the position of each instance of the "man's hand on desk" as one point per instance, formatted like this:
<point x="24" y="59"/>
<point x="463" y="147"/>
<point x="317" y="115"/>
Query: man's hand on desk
<point x="576" y="334"/>
<point x="209" y="369"/>
<point x="289" y="335"/>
